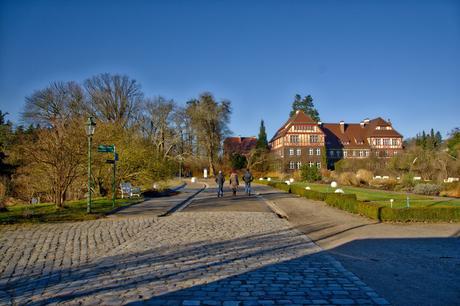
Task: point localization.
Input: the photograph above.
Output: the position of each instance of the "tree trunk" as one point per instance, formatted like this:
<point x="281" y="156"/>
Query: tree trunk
<point x="211" y="166"/>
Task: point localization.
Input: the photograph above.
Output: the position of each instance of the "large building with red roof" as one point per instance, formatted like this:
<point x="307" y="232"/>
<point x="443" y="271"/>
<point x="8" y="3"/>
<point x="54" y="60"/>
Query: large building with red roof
<point x="301" y="140"/>
<point x="298" y="142"/>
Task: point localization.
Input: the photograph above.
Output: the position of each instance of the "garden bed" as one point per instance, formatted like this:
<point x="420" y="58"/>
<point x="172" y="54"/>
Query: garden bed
<point x="375" y="204"/>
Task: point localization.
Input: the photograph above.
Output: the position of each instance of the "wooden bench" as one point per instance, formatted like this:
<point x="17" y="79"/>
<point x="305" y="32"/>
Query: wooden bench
<point x="128" y="190"/>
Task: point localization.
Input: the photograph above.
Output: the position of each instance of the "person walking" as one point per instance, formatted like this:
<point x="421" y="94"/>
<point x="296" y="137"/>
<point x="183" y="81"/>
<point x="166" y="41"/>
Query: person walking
<point x="234" y="182"/>
<point x="247" y="178"/>
<point x="220" y="179"/>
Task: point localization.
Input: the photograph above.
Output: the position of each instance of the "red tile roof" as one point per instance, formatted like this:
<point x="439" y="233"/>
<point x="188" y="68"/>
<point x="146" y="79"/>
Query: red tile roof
<point x="241" y="145"/>
<point x="298" y="118"/>
<point x="355" y="135"/>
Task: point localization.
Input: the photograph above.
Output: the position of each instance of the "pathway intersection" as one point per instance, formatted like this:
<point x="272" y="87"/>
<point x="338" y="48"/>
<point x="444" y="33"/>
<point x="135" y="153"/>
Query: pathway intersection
<point x="228" y="251"/>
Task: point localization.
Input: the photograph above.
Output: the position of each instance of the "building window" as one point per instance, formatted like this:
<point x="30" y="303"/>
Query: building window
<point x="310" y="164"/>
<point x="395" y="153"/>
<point x="345" y="153"/>
<point x="361" y="153"/>
<point x="331" y="153"/>
<point x="291" y="165"/>
<point x="367" y="153"/>
<point x="294" y="138"/>
<point x="310" y="151"/>
<point x="299" y="151"/>
<point x="299" y="165"/>
<point x="378" y="141"/>
<point x="314" y="138"/>
<point x="318" y="151"/>
<point x="318" y="165"/>
<point x="377" y="154"/>
<point x="291" y="152"/>
<point x="386" y="142"/>
<point x="394" y="142"/>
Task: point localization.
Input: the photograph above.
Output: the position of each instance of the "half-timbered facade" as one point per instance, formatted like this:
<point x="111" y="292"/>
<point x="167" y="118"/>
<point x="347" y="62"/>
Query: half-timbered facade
<point x="300" y="141"/>
<point x="369" y="138"/>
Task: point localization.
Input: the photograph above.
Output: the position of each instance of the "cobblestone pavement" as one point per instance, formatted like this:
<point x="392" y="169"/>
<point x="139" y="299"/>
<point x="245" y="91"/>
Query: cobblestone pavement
<point x="188" y="258"/>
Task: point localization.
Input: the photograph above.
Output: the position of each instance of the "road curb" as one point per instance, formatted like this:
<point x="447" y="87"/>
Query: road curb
<point x="184" y="203"/>
<point x="276" y="210"/>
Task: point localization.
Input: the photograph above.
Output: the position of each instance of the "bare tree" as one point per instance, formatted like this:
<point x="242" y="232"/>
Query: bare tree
<point x="159" y="125"/>
<point x="114" y="98"/>
<point x="209" y="120"/>
<point x="56" y="157"/>
<point x="58" y="102"/>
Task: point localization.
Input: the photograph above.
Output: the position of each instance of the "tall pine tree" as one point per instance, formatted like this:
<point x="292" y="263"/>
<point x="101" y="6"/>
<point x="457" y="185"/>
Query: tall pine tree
<point x="305" y="104"/>
<point x="262" y="142"/>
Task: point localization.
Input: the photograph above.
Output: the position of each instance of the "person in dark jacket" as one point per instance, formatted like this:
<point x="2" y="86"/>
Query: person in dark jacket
<point x="234" y="182"/>
<point x="220" y="179"/>
<point x="247" y="178"/>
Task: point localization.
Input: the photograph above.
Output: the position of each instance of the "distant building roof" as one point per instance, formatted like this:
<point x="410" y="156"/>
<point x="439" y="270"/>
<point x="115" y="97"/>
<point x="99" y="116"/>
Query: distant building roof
<point x="298" y="118"/>
<point x="241" y="145"/>
<point x="355" y="135"/>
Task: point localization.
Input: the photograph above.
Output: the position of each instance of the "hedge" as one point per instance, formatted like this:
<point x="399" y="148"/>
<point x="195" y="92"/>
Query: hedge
<point x="348" y="202"/>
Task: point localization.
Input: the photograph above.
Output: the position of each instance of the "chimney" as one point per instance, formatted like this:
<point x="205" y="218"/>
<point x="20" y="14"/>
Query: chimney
<point x="361" y="124"/>
<point x="342" y="126"/>
<point x="389" y="121"/>
<point x="320" y="123"/>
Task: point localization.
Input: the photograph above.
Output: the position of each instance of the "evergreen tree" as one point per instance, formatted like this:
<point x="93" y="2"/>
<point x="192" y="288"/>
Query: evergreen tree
<point x="262" y="142"/>
<point x="438" y="139"/>
<point x="305" y="104"/>
<point x="423" y="140"/>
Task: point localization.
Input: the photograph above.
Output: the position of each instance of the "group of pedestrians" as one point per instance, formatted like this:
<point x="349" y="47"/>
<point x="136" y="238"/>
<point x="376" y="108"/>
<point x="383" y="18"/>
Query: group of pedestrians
<point x="234" y="182"/>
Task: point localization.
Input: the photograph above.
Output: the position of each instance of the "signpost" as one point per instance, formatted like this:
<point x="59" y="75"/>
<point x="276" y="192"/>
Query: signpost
<point x="110" y="149"/>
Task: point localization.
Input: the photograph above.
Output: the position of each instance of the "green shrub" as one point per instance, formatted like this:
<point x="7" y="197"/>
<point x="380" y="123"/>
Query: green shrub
<point x="427" y="189"/>
<point x="310" y="174"/>
<point x="344" y="201"/>
<point x="348" y="202"/>
<point x="420" y="214"/>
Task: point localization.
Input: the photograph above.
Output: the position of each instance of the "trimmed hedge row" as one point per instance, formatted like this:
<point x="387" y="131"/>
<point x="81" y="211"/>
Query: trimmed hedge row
<point x="348" y="202"/>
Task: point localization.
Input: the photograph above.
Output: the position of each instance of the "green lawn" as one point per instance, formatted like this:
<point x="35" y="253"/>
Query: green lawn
<point x="383" y="197"/>
<point x="73" y="211"/>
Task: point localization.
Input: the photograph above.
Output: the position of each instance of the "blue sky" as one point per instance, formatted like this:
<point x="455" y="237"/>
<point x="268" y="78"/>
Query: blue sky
<point x="358" y="59"/>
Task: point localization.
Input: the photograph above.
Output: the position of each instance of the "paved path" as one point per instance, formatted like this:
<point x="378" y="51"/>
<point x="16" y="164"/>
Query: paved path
<point x="159" y="206"/>
<point x="195" y="257"/>
<point x="408" y="263"/>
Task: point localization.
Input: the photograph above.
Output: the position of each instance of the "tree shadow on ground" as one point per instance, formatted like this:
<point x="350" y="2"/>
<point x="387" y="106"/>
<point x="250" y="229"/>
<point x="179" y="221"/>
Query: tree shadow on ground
<point x="280" y="266"/>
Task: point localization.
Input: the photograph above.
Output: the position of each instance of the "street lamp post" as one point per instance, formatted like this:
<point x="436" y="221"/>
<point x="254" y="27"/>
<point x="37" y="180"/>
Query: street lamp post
<point x="90" y="127"/>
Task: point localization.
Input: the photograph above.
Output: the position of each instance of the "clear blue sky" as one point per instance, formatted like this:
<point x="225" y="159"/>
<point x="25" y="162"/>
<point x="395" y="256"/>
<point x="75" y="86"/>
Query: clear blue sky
<point x="394" y="59"/>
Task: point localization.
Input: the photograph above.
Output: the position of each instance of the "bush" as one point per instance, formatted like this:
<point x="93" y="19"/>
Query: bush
<point x="385" y="184"/>
<point x="348" y="179"/>
<point x="364" y="176"/>
<point x="310" y="174"/>
<point x="427" y="189"/>
<point x="349" y="203"/>
<point x="343" y="201"/>
<point x="451" y="190"/>
<point x="420" y="214"/>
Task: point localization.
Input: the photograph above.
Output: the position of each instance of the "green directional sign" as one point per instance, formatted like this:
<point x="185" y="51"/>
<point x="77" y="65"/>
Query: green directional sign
<point x="105" y="148"/>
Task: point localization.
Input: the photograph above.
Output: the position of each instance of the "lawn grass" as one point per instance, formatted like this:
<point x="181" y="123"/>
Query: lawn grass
<point x="73" y="211"/>
<point x="383" y="197"/>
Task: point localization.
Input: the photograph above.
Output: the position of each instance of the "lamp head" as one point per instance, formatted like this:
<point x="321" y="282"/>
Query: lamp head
<point x="90" y="126"/>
